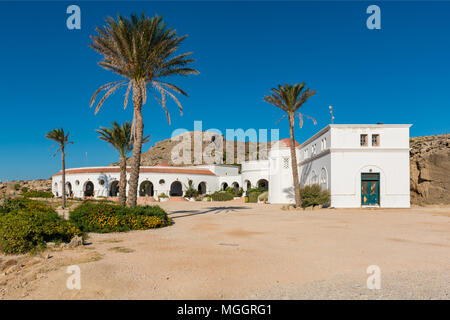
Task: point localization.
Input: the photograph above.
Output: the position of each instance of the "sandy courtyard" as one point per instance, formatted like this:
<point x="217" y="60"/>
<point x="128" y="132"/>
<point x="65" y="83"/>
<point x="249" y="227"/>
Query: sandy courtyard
<point x="252" y="251"/>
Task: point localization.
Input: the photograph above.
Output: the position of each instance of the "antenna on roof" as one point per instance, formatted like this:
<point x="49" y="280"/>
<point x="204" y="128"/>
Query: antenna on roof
<point x="331" y="114"/>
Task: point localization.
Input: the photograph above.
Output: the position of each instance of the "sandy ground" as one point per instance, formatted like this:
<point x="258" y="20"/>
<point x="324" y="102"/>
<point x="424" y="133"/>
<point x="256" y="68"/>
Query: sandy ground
<point x="252" y="251"/>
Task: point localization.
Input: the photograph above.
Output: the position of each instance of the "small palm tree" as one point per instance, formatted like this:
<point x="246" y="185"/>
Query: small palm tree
<point x="290" y="98"/>
<point x="62" y="139"/>
<point x="141" y="50"/>
<point x="119" y="136"/>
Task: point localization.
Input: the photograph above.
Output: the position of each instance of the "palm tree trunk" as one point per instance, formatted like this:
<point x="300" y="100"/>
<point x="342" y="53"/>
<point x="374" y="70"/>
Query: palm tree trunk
<point x="137" y="146"/>
<point x="63" y="158"/>
<point x="298" y="200"/>
<point x="123" y="180"/>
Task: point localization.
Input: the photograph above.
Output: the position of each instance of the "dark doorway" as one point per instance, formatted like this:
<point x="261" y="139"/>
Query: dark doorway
<point x="176" y="190"/>
<point x="89" y="189"/>
<point x="146" y="189"/>
<point x="114" y="189"/>
<point x="202" y="188"/>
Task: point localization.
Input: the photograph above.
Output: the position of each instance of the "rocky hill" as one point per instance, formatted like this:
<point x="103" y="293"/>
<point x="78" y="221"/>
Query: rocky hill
<point x="161" y="152"/>
<point x="430" y="169"/>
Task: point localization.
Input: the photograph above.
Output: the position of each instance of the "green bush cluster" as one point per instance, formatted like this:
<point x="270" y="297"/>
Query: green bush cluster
<point x="26" y="225"/>
<point x="234" y="192"/>
<point x="37" y="194"/>
<point x="313" y="195"/>
<point x="222" y="196"/>
<point x="104" y="217"/>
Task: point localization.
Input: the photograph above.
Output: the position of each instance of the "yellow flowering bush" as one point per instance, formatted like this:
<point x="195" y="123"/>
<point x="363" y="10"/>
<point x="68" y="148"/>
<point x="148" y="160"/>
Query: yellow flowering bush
<point x="105" y="217"/>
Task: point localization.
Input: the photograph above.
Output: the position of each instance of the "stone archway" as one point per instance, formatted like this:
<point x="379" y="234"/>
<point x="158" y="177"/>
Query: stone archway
<point x="247" y="184"/>
<point x="224" y="186"/>
<point x="69" y="189"/>
<point x="202" y="187"/>
<point x="176" y="189"/>
<point x="263" y="184"/>
<point x="235" y="185"/>
<point x="88" y="189"/>
<point x="114" y="189"/>
<point x="146" y="189"/>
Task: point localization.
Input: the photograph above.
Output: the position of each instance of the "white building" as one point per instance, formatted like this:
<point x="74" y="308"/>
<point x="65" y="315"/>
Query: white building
<point x="360" y="164"/>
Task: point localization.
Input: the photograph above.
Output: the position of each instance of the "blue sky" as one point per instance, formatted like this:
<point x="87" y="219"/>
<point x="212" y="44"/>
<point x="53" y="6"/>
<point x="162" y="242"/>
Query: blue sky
<point x="399" y="74"/>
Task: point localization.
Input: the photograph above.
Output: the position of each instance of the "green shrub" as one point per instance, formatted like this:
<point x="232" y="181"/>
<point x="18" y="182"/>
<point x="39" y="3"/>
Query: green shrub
<point x="234" y="192"/>
<point x="24" y="189"/>
<point x="256" y="189"/>
<point x="17" y="186"/>
<point x="253" y="196"/>
<point x="25" y="204"/>
<point x="26" y="225"/>
<point x="105" y="217"/>
<point x="37" y="194"/>
<point x="163" y="195"/>
<point x="222" y="196"/>
<point x="313" y="195"/>
<point x="190" y="190"/>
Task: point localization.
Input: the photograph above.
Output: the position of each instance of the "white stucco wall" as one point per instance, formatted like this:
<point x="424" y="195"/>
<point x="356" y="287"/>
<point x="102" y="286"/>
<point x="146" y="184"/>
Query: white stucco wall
<point x="334" y="159"/>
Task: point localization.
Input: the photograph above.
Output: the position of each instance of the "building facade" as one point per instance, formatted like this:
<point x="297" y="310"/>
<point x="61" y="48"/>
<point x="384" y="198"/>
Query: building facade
<point x="360" y="164"/>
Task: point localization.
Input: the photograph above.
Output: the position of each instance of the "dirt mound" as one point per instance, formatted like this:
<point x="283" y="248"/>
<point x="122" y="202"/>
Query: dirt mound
<point x="430" y="169"/>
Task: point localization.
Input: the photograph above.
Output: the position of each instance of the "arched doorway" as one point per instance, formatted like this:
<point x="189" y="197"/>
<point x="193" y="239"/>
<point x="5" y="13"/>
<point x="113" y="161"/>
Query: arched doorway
<point x="114" y="189"/>
<point x="202" y="188"/>
<point x="247" y="184"/>
<point x="263" y="184"/>
<point x="89" y="189"/>
<point x="69" y="189"/>
<point x="146" y="189"/>
<point x="224" y="186"/>
<point x="176" y="189"/>
<point x="236" y="186"/>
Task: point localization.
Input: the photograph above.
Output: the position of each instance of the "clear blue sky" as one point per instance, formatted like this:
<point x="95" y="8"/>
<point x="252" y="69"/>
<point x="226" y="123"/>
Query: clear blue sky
<point x="399" y="74"/>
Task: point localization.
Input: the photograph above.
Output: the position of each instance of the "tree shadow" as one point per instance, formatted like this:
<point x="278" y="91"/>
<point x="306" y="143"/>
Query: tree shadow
<point x="215" y="210"/>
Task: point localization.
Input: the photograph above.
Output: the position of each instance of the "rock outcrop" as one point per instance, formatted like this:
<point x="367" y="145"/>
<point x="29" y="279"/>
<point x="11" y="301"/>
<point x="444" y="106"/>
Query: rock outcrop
<point x="430" y="170"/>
<point x="15" y="187"/>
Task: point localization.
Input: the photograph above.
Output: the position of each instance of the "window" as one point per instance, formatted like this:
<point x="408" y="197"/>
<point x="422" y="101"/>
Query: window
<point x="324" y="144"/>
<point x="363" y="140"/>
<point x="161" y="181"/>
<point x="313" y="150"/>
<point x="101" y="181"/>
<point x="375" y="140"/>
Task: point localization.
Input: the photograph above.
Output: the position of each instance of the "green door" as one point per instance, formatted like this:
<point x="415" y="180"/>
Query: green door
<point x="370" y="189"/>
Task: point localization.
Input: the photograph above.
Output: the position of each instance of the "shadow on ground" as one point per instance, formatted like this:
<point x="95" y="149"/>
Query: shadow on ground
<point x="215" y="210"/>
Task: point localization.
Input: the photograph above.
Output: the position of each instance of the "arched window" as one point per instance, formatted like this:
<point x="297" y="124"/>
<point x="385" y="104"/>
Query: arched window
<point x="323" y="179"/>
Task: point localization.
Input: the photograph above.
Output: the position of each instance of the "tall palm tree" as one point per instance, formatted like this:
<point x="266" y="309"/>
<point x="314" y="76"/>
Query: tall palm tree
<point x="62" y="139"/>
<point x="119" y="136"/>
<point x="290" y="98"/>
<point x="141" y="50"/>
